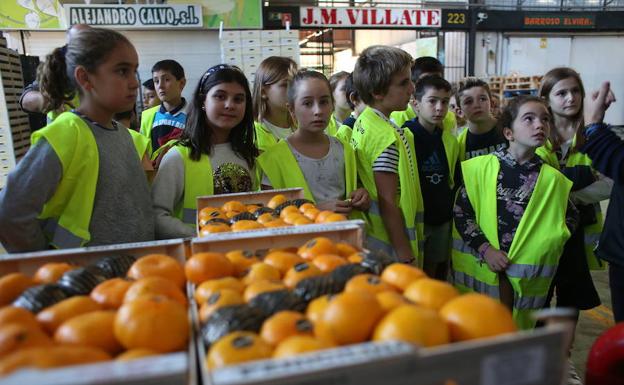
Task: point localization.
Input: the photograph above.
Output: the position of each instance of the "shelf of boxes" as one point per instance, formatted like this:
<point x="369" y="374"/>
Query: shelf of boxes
<point x="246" y="49"/>
<point x="14" y="126"/>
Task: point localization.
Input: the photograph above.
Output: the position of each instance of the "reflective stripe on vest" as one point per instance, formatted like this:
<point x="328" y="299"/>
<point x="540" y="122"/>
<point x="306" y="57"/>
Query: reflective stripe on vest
<point x="371" y="136"/>
<point x="538" y="241"/>
<point x="198" y="181"/>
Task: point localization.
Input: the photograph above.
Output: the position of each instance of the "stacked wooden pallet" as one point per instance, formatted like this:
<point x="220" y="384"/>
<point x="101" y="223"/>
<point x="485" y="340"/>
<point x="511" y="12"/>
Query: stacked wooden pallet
<point x="521" y="85"/>
<point x="14" y="126"/>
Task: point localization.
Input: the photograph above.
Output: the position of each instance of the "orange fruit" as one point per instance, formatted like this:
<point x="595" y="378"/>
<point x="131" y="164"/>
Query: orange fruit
<point x="356" y="257"/>
<point x="316" y="308"/>
<point x="246" y="224"/>
<point x="150" y="286"/>
<point x="299" y="272"/>
<point x="51" y="356"/>
<point x="14" y="337"/>
<point x="54" y="316"/>
<point x="51" y="272"/>
<point x="401" y="275"/>
<point x="236" y="348"/>
<point x="282" y="260"/>
<point x="351" y="317"/>
<point x="233" y="206"/>
<point x="261" y="271"/>
<point x="311" y="214"/>
<point x="413" y="324"/>
<point x="390" y="299"/>
<point x="335" y="218"/>
<point x="302" y="220"/>
<point x="471" y="316"/>
<point x="276" y="201"/>
<point x="299" y="344"/>
<point x="110" y="293"/>
<point x="430" y="293"/>
<point x="317" y="246"/>
<point x="12" y="314"/>
<point x="232" y="214"/>
<point x="135" y="354"/>
<point x="12" y="285"/>
<point x="93" y="329"/>
<point x="208" y="213"/>
<point x="275" y="223"/>
<point x="367" y="282"/>
<point x="214" y="228"/>
<point x="202" y="267"/>
<point x="158" y="265"/>
<point x="289" y="210"/>
<point x="241" y="260"/>
<point x="328" y="262"/>
<point x="321" y="216"/>
<point x="206" y="289"/>
<point x="293" y="217"/>
<point x="252" y="208"/>
<point x="284" y="324"/>
<point x="345" y="249"/>
<point x="265" y="218"/>
<point x="219" y="299"/>
<point x="306" y="206"/>
<point x="155" y="323"/>
<point x="262" y="286"/>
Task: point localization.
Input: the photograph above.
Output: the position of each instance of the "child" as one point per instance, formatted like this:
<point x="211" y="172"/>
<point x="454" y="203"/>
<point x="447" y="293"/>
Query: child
<point x="357" y="106"/>
<point x="385" y="153"/>
<point x="216" y="153"/>
<point x="437" y="156"/>
<point x="513" y="216"/>
<point x="150" y="97"/>
<point x="480" y="137"/>
<point x="321" y="164"/>
<point x="165" y="122"/>
<point x="459" y="115"/>
<point x="424" y="66"/>
<point x="342" y="110"/>
<point x="563" y="89"/>
<point x="81" y="183"/>
<point x="272" y="120"/>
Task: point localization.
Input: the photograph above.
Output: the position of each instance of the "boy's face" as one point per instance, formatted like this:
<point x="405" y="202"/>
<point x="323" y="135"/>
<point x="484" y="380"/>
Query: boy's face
<point x="168" y="88"/>
<point x="150" y="98"/>
<point x="475" y="103"/>
<point x="399" y="92"/>
<point x="432" y="107"/>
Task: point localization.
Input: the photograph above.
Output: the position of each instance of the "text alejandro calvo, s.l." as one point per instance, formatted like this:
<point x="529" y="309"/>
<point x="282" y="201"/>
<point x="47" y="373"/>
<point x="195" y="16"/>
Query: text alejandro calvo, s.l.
<point x="136" y="16"/>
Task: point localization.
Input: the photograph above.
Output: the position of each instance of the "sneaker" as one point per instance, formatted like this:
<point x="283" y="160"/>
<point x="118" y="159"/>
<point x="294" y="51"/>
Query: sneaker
<point x="573" y="377"/>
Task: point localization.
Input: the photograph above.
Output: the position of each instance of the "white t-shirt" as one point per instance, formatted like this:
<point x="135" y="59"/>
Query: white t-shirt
<point x="277" y="131"/>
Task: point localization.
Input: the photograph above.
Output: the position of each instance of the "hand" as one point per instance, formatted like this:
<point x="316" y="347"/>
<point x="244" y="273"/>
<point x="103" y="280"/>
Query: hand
<point x="360" y="199"/>
<point x="496" y="259"/>
<point x="597" y="102"/>
<point x="341" y="207"/>
<point x="407" y="259"/>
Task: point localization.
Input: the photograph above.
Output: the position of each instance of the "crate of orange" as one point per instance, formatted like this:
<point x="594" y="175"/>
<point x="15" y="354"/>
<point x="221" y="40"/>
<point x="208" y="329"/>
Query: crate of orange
<point x="310" y="304"/>
<point x="267" y="209"/>
<point x="108" y="314"/>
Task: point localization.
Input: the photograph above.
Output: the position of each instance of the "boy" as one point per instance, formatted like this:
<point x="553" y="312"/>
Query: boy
<point x="480" y="137"/>
<point x="165" y="122"/>
<point x="437" y="155"/>
<point x="385" y="153"/>
<point x="150" y="97"/>
<point x="357" y="106"/>
<point x="424" y="66"/>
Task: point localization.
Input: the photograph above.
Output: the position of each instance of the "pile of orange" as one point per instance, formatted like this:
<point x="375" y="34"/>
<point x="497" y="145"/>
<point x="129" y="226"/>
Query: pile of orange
<point x="401" y="304"/>
<point x="236" y="216"/>
<point x="140" y="315"/>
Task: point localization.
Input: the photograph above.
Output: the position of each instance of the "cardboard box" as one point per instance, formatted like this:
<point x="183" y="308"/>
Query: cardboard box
<point x="250" y="34"/>
<point x="231" y="35"/>
<point x="291" y="33"/>
<point x="248" y="42"/>
<point x="230" y="42"/>
<point x="252" y="59"/>
<point x="289" y="41"/>
<point x="271" y="51"/>
<point x="271" y="34"/>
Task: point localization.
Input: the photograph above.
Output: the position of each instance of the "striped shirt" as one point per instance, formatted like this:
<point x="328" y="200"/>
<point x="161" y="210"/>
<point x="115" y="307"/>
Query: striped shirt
<point x="388" y="160"/>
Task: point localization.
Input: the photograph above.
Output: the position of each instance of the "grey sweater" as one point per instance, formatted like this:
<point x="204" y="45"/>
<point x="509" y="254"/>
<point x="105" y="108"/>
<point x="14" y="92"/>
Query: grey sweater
<point x="122" y="209"/>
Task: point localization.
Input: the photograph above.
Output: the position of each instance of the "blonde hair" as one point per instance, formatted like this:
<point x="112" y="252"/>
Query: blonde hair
<point x="271" y="70"/>
<point x="375" y="68"/>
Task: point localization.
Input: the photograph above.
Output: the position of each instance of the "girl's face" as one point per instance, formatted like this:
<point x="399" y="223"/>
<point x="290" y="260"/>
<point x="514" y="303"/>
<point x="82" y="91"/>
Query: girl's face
<point x="114" y="85"/>
<point x="276" y="95"/>
<point x="225" y="106"/>
<point x="566" y="98"/>
<point x="340" y="97"/>
<point x="312" y="106"/>
<point x="475" y="104"/>
<point x="531" y="127"/>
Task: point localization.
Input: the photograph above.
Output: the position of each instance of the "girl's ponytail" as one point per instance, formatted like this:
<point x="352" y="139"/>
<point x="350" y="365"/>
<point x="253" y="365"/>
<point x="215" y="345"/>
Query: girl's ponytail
<point x="54" y="82"/>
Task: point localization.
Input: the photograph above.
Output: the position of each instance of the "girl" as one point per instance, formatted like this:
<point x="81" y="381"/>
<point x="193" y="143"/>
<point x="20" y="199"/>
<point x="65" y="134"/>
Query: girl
<point x="321" y="164"/>
<point x="513" y="215"/>
<point x="83" y="173"/>
<point x="216" y="153"/>
<point x="564" y="90"/>
<point x="342" y="109"/>
<point x="272" y="120"/>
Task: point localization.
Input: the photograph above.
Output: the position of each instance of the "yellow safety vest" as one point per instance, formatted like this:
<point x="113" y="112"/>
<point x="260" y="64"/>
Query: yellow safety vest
<point x="537" y="244"/>
<point x="461" y="141"/>
<point x="264" y="138"/>
<point x="591" y="233"/>
<point x="67" y="215"/>
<point x="332" y="126"/>
<point x="371" y="136"/>
<point x="449" y="123"/>
<point x="344" y="133"/>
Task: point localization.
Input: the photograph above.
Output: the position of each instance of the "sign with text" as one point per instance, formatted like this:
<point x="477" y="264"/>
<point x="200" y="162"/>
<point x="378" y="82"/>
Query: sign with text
<point x="559" y="21"/>
<point x="136" y="16"/>
<point x="377" y="17"/>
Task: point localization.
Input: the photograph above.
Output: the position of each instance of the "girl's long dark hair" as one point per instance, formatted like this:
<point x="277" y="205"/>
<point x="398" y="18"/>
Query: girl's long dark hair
<point x="198" y="135"/>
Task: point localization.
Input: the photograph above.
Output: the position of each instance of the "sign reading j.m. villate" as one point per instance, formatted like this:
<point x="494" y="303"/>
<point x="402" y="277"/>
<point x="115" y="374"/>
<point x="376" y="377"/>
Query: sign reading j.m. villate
<point x="370" y="17"/>
<point x="136" y="16"/>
